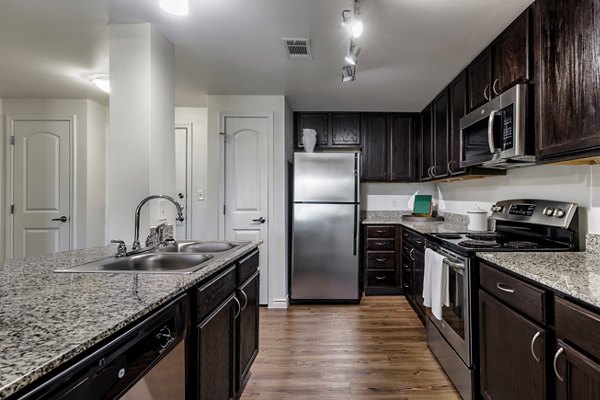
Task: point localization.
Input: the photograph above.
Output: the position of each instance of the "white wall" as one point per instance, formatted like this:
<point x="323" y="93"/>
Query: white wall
<point x="3" y="140"/>
<point x="277" y="291"/>
<point x="580" y="184"/>
<point x="89" y="135"/>
<point x="142" y="119"/>
<point x="197" y="118"/>
<point x="392" y="196"/>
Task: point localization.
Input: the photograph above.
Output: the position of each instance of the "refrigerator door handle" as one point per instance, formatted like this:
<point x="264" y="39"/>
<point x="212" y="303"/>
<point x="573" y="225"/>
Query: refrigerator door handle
<point x="355" y="236"/>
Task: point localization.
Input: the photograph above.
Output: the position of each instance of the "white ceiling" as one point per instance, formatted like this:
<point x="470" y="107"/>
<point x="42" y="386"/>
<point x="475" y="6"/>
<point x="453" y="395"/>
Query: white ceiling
<point x="410" y="48"/>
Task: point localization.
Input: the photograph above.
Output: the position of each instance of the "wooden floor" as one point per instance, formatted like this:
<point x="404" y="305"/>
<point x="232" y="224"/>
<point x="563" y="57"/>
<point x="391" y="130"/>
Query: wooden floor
<point x="375" y="350"/>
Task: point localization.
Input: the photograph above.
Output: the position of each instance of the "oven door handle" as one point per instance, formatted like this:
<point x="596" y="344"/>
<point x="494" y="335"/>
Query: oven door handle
<point x="455" y="266"/>
<point x="491" y="131"/>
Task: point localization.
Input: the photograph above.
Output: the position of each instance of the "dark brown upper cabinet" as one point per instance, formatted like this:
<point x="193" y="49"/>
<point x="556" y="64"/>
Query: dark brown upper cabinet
<point x="375" y="146"/>
<point x="458" y="109"/>
<point x="427" y="143"/>
<point x="568" y="85"/>
<point x="501" y="65"/>
<point x="334" y="130"/>
<point x="402" y="163"/>
<point x="441" y="108"/>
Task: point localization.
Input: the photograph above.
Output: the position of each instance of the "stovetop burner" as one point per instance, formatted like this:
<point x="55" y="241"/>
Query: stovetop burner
<point x="521" y="244"/>
<point x="449" y="236"/>
<point x="483" y="236"/>
<point x="479" y="244"/>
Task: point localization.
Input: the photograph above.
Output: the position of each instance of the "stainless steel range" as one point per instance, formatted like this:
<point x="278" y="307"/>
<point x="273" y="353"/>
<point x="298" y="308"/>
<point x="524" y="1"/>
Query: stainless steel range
<point x="521" y="225"/>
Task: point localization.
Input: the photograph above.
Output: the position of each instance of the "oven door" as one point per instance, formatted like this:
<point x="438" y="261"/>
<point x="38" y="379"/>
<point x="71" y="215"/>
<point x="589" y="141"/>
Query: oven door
<point x="455" y="324"/>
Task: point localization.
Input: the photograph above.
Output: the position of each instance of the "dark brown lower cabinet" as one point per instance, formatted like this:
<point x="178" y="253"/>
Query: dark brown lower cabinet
<point x="248" y="294"/>
<point x="577" y="375"/>
<point x="512" y="353"/>
<point x="216" y="352"/>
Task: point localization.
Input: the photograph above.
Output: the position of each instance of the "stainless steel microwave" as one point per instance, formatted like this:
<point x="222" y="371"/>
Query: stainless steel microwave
<point x="495" y="135"/>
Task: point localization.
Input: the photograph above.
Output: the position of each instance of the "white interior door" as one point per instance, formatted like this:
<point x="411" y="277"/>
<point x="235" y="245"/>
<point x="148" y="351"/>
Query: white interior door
<point x="247" y="185"/>
<point x="41" y="187"/>
<point x="181" y="180"/>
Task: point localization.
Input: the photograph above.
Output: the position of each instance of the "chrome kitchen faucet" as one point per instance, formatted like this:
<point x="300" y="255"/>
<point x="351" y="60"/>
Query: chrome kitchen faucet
<point x="136" y="234"/>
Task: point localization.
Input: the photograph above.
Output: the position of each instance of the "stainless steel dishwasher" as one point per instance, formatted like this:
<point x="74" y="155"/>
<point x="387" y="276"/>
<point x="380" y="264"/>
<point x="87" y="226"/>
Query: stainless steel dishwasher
<point x="145" y="362"/>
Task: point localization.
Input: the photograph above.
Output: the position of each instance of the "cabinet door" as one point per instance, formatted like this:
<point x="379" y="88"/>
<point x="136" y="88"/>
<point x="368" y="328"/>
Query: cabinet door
<point x="419" y="271"/>
<point x="402" y="148"/>
<point x="511" y="55"/>
<point x="512" y="351"/>
<point x="441" y="110"/>
<point x="568" y="120"/>
<point x="317" y="121"/>
<point x="216" y="352"/>
<point x="480" y="76"/>
<point x="427" y="143"/>
<point x="458" y="109"/>
<point x="375" y="145"/>
<point x="247" y="328"/>
<point x="577" y="376"/>
<point x="345" y="129"/>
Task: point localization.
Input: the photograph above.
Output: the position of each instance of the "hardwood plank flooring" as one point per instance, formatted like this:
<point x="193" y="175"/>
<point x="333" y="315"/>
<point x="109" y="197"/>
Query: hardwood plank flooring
<point x="373" y="351"/>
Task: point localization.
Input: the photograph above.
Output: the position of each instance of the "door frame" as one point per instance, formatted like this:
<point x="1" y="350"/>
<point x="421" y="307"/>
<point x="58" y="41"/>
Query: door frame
<point x="9" y="176"/>
<point x="189" y="171"/>
<point x="265" y="269"/>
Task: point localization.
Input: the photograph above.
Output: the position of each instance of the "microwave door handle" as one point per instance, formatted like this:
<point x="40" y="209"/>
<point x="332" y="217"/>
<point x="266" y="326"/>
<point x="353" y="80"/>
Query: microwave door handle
<point x="491" y="131"/>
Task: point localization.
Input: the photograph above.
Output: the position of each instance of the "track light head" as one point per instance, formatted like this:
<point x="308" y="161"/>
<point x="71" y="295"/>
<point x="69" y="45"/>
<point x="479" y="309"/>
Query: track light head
<point x="352" y="55"/>
<point x="353" y="22"/>
<point x="348" y="73"/>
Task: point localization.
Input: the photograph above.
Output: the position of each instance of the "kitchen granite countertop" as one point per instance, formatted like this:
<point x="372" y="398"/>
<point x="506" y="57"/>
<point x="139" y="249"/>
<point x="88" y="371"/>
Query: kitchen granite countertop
<point x="576" y="274"/>
<point x="451" y="224"/>
<point x="48" y="318"/>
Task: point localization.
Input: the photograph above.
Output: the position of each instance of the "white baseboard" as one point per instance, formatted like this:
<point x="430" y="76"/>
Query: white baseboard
<point x="280" y="303"/>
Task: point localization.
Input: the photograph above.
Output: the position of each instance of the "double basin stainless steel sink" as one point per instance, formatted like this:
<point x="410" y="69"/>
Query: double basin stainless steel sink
<point x="181" y="257"/>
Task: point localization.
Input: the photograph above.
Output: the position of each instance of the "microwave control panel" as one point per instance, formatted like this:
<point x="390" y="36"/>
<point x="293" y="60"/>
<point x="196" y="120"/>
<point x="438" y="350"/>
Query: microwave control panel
<point x="507" y="128"/>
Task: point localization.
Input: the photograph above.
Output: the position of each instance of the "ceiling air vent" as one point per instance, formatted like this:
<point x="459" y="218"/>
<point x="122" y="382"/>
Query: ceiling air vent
<point x="297" y="49"/>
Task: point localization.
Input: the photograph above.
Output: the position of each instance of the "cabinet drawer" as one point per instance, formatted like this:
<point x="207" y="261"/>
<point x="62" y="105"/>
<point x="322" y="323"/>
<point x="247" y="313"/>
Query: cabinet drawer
<point x="406" y="234"/>
<point x="215" y="291"/>
<point x="381" y="260"/>
<point x="578" y="326"/>
<point x="523" y="296"/>
<point x="381" y="278"/>
<point x="381" y="231"/>
<point x="381" y="244"/>
<point x="418" y="240"/>
<point x="247" y="267"/>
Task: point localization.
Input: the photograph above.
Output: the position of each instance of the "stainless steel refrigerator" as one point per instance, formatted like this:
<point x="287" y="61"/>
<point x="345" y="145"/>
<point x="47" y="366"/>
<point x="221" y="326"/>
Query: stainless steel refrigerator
<point x="326" y="212"/>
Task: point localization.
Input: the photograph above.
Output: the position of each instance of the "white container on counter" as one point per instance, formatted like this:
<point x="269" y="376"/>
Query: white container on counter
<point x="477" y="220"/>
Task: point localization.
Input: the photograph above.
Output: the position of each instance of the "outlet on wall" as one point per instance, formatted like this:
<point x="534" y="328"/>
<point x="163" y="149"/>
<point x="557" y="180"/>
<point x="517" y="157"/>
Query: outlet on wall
<point x="200" y="195"/>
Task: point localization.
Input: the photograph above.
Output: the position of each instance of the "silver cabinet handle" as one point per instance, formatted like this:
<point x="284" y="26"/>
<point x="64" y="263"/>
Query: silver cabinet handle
<point x="494" y="86"/>
<point x="380" y="278"/>
<point x="485" y="92"/>
<point x="450" y="167"/>
<point x="558" y="352"/>
<point x="380" y="260"/>
<point x="245" y="300"/>
<point x="380" y="231"/>
<point x="491" y="131"/>
<point x="239" y="310"/>
<point x="504" y="288"/>
<point x="411" y="254"/>
<point x="533" y="339"/>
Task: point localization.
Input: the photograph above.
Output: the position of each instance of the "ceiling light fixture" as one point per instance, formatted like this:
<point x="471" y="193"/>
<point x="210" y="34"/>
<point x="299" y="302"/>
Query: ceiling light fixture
<point x="352" y="55"/>
<point x="175" y="7"/>
<point x="102" y="82"/>
<point x="348" y="73"/>
<point x="354" y="23"/>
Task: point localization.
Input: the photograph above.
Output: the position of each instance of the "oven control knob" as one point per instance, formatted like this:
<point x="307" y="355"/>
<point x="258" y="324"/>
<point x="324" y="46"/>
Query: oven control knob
<point x="499" y="208"/>
<point x="548" y="211"/>
<point x="559" y="213"/>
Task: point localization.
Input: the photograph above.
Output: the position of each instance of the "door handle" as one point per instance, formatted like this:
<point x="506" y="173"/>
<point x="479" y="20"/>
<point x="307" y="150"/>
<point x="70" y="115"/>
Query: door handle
<point x="180" y="195"/>
<point x="491" y="131"/>
<point x="259" y="220"/>
<point x="61" y="219"/>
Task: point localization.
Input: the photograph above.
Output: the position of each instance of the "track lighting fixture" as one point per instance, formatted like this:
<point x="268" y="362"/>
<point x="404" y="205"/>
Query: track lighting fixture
<point x="348" y="73"/>
<point x="353" y="23"/>
<point x="175" y="7"/>
<point x="352" y="55"/>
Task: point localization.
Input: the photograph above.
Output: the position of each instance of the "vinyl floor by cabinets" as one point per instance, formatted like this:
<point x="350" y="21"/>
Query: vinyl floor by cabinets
<point x="375" y="350"/>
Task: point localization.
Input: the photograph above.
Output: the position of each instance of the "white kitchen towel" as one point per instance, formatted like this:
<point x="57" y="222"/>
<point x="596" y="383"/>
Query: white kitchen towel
<point x="435" y="282"/>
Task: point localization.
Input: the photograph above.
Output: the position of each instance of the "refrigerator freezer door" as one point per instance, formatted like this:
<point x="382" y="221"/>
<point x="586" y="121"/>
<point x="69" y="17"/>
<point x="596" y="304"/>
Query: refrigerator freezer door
<point x="325" y="255"/>
<point x="326" y="177"/>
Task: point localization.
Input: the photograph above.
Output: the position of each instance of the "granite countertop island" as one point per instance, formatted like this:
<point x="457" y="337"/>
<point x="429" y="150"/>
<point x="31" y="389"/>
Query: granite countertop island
<point x="576" y="274"/>
<point x="48" y="318"/>
<point x="452" y="223"/>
